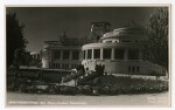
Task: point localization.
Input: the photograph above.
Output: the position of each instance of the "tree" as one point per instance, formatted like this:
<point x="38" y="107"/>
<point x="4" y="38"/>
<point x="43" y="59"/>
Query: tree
<point x="156" y="47"/>
<point x="15" y="39"/>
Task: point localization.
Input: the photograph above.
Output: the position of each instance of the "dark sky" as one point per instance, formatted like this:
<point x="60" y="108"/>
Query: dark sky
<point x="46" y="23"/>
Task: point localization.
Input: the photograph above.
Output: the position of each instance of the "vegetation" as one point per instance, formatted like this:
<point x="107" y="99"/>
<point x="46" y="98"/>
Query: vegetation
<point x="15" y="41"/>
<point x="156" y="47"/>
<point x="127" y="85"/>
<point x="101" y="85"/>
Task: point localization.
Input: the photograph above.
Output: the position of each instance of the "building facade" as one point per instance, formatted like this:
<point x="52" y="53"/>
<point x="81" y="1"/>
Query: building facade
<point x="118" y="50"/>
<point x="55" y="55"/>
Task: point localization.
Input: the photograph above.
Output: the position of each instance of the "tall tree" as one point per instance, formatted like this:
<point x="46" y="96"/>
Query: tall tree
<point x="156" y="48"/>
<point x="15" y="38"/>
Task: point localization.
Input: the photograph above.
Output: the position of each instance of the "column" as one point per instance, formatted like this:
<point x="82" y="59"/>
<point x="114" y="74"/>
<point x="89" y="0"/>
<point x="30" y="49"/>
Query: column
<point x="101" y="53"/>
<point x="61" y="58"/>
<point x="86" y="54"/>
<point x="45" y="58"/>
<point x="92" y="54"/>
<point x="50" y="58"/>
<point x="126" y="54"/>
<point x="70" y="58"/>
<point x="112" y="54"/>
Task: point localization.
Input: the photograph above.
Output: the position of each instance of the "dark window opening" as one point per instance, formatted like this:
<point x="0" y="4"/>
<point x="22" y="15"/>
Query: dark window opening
<point x="107" y="53"/>
<point x="84" y="54"/>
<point x="50" y="65"/>
<point x="138" y="69"/>
<point x="133" y="69"/>
<point x="97" y="38"/>
<point x="75" y="55"/>
<point x="66" y="54"/>
<point x="96" y="53"/>
<point x="129" y="69"/>
<point x="119" y="53"/>
<point x="56" y="65"/>
<point x="57" y="54"/>
<point x="89" y="54"/>
<point x="133" y="54"/>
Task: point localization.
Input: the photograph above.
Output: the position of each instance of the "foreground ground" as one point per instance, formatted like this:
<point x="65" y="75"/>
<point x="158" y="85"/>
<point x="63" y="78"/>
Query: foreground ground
<point x="154" y="99"/>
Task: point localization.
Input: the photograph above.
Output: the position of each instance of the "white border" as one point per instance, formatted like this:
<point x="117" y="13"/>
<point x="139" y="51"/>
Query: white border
<point x="84" y="2"/>
<point x="51" y="3"/>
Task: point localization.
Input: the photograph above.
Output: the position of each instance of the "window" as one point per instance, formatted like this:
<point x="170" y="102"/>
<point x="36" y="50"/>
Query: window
<point x="107" y="53"/>
<point x="138" y="69"/>
<point x="75" y="55"/>
<point x="84" y="54"/>
<point x="129" y="69"/>
<point x="119" y="53"/>
<point x="51" y="65"/>
<point x="133" y="69"/>
<point x="133" y="54"/>
<point x="58" y="65"/>
<point x="57" y="54"/>
<point x="66" y="66"/>
<point x="65" y="54"/>
<point x="96" y="53"/>
<point x="89" y="54"/>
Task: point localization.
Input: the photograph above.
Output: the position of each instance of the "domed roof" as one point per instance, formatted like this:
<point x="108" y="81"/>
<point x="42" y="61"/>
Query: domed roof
<point x="127" y="31"/>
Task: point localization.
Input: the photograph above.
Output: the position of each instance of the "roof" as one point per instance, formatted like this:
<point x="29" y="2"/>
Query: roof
<point x="126" y="31"/>
<point x="101" y="22"/>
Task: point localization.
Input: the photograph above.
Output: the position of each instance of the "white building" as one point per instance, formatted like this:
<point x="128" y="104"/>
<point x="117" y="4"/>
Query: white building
<point x="55" y="55"/>
<point x="118" y="50"/>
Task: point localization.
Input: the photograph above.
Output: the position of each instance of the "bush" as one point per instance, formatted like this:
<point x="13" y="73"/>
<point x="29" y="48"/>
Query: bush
<point x="86" y="89"/>
<point x="68" y="90"/>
